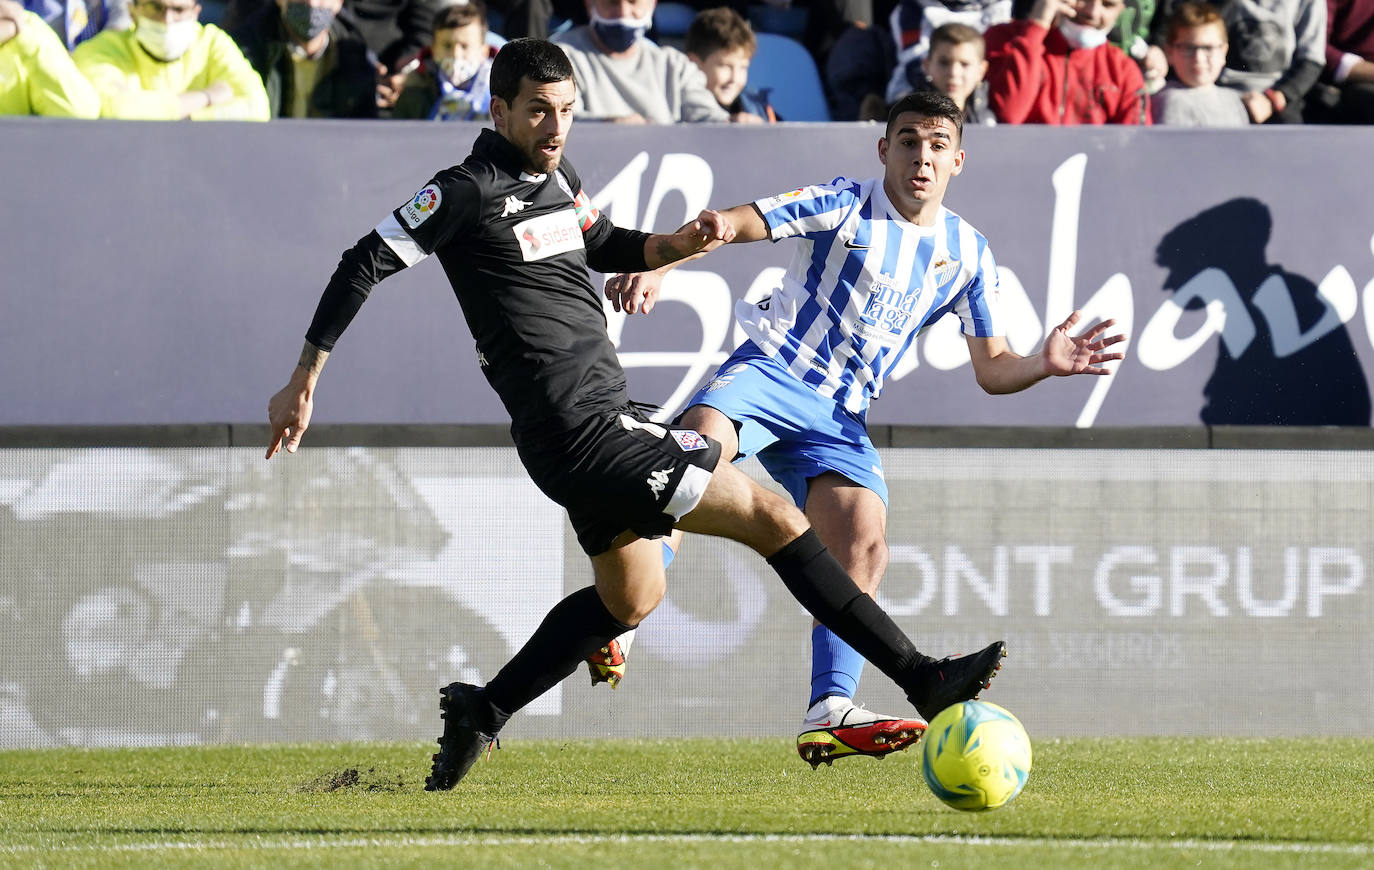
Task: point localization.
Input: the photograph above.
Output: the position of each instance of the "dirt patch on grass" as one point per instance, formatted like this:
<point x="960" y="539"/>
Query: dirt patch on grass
<point x="351" y="779"/>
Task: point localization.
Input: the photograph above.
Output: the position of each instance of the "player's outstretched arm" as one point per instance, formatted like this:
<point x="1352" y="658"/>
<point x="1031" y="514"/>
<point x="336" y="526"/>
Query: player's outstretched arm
<point x="709" y="231"/>
<point x="635" y="292"/>
<point x="1000" y="370"/>
<point x="288" y="412"/>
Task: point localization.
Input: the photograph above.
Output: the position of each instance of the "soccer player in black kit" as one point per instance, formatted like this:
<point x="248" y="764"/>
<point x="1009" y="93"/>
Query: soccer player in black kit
<point x="515" y="234"/>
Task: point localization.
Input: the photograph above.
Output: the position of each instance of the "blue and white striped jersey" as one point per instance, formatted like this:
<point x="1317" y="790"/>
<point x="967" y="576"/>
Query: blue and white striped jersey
<point x="863" y="284"/>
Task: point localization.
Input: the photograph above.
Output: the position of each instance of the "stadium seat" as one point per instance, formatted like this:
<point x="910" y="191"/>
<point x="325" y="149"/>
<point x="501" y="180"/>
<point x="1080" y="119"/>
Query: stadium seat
<point x="783" y="20"/>
<point x="787" y="70"/>
<point x="212" y="11"/>
<point x="673" y="19"/>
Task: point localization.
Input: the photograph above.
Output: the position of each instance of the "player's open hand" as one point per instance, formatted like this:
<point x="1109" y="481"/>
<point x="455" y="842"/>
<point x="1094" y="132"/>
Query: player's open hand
<point x="288" y="413"/>
<point x="634" y="292"/>
<point x="1066" y="354"/>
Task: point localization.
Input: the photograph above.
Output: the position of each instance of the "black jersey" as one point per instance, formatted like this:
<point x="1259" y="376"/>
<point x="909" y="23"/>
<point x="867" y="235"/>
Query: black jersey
<point x="516" y="248"/>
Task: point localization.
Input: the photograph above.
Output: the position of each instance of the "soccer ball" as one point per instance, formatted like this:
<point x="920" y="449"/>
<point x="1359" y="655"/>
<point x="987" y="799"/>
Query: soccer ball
<point x="975" y="756"/>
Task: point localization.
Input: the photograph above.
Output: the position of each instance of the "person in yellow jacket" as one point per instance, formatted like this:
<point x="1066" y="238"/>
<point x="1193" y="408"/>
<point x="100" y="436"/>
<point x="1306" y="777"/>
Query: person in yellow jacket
<point x="171" y="66"/>
<point x="37" y="76"/>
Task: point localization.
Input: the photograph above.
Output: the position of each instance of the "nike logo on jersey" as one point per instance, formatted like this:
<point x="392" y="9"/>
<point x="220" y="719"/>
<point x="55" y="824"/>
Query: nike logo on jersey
<point x="853" y="247"/>
<point x="513" y="205"/>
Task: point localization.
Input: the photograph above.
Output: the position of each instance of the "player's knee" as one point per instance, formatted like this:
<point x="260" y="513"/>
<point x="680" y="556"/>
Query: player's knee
<point x="871" y="562"/>
<point x="864" y="557"/>
<point x="630" y="604"/>
<point x="782" y="517"/>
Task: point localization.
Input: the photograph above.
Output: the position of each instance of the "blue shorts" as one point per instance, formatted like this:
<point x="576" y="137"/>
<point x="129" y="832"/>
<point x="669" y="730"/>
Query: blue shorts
<point x="796" y="433"/>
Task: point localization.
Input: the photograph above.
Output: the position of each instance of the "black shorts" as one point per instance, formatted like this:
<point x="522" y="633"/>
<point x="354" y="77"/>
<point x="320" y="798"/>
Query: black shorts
<point x="615" y="471"/>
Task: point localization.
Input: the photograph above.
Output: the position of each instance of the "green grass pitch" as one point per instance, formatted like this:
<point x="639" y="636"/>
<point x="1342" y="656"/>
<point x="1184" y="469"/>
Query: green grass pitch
<point x="686" y="803"/>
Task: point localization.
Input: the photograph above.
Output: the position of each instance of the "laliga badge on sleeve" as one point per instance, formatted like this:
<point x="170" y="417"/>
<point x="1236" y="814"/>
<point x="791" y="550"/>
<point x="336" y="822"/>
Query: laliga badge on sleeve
<point x="425" y="203"/>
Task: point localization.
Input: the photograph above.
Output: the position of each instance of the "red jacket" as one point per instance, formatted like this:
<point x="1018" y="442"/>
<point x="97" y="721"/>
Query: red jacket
<point x="1349" y="29"/>
<point x="1034" y="78"/>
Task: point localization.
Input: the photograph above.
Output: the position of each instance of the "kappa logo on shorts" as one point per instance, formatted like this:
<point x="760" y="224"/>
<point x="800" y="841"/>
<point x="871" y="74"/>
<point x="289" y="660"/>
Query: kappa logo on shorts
<point x="725" y="377"/>
<point x="689" y="440"/>
<point x="422" y="206"/>
<point x="657" y="481"/>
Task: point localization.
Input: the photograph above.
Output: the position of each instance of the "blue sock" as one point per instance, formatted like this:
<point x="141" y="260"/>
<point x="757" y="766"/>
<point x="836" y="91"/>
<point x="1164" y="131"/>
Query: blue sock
<point x="835" y="666"/>
<point x="668" y="555"/>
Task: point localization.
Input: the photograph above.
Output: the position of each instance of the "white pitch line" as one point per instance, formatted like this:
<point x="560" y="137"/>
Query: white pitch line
<point x="266" y="844"/>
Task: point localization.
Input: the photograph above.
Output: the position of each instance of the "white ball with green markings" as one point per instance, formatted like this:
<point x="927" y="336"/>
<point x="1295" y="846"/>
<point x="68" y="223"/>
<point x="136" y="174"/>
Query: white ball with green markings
<point x="975" y="756"/>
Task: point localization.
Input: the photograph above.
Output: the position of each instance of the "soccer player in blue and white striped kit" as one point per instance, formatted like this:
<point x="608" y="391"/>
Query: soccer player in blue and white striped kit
<point x="879" y="260"/>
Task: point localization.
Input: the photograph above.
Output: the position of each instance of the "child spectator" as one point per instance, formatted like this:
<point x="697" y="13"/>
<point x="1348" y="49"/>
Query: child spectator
<point x="1195" y="44"/>
<point x="312" y="58"/>
<point x="1278" y="49"/>
<point x="721" y="44"/>
<point x="37" y="76"/>
<point x="1057" y="67"/>
<point x="170" y="66"/>
<point x="955" y="66"/>
<point x="914" y="21"/>
<point x="451" y="83"/>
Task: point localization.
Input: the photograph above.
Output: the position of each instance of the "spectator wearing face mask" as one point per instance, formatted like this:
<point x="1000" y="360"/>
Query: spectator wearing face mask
<point x="625" y="77"/>
<point x="452" y="82"/>
<point x="169" y="67"/>
<point x="1057" y="67"/>
<point x="312" y="58"/>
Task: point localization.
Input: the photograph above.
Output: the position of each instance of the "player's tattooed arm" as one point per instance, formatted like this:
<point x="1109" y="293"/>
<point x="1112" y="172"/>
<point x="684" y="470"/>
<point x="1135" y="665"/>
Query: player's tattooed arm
<point x="709" y="231"/>
<point x="312" y="359"/>
<point x="288" y="412"/>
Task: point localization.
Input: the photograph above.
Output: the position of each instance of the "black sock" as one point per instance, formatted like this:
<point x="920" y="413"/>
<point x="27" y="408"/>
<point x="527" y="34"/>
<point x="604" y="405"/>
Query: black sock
<point x="813" y="576"/>
<point x="576" y="627"/>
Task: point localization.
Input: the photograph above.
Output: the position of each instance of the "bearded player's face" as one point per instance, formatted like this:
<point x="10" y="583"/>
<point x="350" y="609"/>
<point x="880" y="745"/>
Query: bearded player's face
<point x="537" y="121"/>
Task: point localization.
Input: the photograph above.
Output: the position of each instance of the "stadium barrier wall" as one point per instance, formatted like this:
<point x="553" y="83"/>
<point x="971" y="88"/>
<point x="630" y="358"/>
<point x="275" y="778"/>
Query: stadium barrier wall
<point x="161" y="584"/>
<point x="165" y="273"/>
<point x="155" y="595"/>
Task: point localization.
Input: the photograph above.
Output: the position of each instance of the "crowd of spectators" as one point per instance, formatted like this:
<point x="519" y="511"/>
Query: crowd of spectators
<point x="1175" y="62"/>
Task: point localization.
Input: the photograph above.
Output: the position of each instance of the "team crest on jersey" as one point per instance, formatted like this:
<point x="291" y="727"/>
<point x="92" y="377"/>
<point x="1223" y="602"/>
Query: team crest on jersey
<point x="689" y="440"/>
<point x="425" y="203"/>
<point x="548" y="235"/>
<point x="944" y="269"/>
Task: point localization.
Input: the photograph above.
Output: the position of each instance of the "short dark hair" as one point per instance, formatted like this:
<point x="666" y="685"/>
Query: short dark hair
<point x="461" y="14"/>
<point x="535" y="59"/>
<point x="714" y="30"/>
<point x="931" y="104"/>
